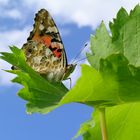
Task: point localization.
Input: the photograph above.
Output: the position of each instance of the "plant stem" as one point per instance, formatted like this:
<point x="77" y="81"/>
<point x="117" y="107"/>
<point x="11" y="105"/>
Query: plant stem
<point x="103" y="123"/>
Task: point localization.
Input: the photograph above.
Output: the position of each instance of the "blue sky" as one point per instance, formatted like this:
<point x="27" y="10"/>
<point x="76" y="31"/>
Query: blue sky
<point x="76" y="20"/>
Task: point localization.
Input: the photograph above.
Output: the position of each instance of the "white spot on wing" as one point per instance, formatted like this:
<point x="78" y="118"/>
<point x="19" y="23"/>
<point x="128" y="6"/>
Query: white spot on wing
<point x="48" y="52"/>
<point x="37" y="59"/>
<point x="61" y="46"/>
<point x="54" y="58"/>
<point x="41" y="27"/>
<point x="52" y="29"/>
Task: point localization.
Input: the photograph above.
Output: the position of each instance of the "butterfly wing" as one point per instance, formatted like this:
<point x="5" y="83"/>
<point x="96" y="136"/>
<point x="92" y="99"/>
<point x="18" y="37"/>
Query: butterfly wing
<point x="44" y="49"/>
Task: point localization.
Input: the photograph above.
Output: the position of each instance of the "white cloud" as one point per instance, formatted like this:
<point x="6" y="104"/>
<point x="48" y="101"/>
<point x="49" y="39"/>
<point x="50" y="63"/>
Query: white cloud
<point x="13" y="37"/>
<point x="13" y="13"/>
<point x="83" y="12"/>
<point x="10" y="13"/>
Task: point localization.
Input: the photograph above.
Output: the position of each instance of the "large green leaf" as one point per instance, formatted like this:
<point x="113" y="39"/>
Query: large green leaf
<point x="42" y="96"/>
<point x="116" y="82"/>
<point x="122" y="123"/>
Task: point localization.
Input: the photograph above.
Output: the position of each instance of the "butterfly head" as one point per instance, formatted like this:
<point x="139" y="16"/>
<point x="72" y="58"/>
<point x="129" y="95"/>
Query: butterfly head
<point x="69" y="69"/>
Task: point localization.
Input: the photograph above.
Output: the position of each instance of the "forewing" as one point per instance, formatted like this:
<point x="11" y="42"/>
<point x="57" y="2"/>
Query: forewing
<point x="44" y="49"/>
<point x="46" y="31"/>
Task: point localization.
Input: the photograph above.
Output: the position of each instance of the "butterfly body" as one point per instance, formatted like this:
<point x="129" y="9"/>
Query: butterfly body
<point x="44" y="50"/>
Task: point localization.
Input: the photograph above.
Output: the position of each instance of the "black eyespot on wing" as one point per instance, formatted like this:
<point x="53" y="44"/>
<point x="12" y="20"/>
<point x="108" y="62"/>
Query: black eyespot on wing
<point x="52" y="49"/>
<point x="52" y="34"/>
<point x="59" y="50"/>
<point x="56" y="40"/>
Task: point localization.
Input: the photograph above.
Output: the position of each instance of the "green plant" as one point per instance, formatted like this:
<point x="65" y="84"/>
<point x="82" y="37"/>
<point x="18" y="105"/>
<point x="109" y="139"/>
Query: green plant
<point x="111" y="84"/>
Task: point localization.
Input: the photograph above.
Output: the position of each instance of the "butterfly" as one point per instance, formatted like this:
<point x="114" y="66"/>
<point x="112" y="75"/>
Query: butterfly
<point x="44" y="50"/>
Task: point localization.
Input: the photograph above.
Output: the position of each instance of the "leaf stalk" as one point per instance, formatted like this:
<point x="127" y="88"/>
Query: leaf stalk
<point x="103" y="123"/>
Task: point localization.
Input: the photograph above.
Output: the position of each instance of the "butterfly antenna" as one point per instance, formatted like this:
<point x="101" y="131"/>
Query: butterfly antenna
<point x="84" y="58"/>
<point x="79" y="52"/>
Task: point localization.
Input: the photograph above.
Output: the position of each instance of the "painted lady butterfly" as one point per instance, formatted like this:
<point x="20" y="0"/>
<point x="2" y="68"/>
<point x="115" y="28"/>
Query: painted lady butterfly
<point x="44" y="49"/>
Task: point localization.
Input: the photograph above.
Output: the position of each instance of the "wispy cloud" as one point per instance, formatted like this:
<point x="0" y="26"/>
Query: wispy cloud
<point x="81" y="12"/>
<point x="13" y="37"/>
<point x="12" y="13"/>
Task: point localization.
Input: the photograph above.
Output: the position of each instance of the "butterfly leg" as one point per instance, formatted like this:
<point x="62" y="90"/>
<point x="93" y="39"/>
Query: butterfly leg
<point x="70" y="81"/>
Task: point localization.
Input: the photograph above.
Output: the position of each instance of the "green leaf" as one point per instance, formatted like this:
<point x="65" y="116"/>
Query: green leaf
<point x="84" y="128"/>
<point x="42" y="96"/>
<point x="122" y="17"/>
<point x="94" y="89"/>
<point x="122" y="123"/>
<point x="125" y="31"/>
<point x="128" y="34"/>
<point x="101" y="46"/>
<point x="116" y="82"/>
